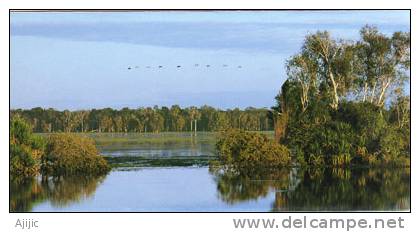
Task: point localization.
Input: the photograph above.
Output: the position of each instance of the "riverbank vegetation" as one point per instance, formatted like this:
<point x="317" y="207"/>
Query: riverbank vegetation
<point x="55" y="155"/>
<point x="344" y="102"/>
<point x="249" y="150"/>
<point x="25" y="149"/>
<point x="67" y="154"/>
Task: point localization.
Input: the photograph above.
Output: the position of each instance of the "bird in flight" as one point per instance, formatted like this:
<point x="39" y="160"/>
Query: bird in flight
<point x="179" y="66"/>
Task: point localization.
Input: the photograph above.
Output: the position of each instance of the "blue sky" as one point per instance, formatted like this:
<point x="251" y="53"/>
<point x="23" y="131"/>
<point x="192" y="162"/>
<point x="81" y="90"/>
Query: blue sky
<point x="80" y="60"/>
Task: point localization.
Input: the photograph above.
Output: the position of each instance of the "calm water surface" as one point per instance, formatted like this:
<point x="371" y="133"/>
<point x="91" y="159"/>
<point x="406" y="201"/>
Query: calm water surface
<point x="137" y="189"/>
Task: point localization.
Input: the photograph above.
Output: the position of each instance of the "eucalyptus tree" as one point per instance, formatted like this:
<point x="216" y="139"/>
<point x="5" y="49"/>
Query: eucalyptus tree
<point x="332" y="60"/>
<point x="178" y="121"/>
<point x="384" y="62"/>
<point x="118" y="122"/>
<point x="193" y="115"/>
<point x="303" y="70"/>
<point x="80" y="118"/>
<point x="69" y="121"/>
<point x="126" y="114"/>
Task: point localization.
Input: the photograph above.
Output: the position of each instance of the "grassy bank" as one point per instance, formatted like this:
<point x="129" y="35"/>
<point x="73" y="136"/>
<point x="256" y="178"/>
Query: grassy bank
<point x="164" y="138"/>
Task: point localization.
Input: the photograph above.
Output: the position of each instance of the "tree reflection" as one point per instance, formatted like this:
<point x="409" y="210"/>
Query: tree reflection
<point x="234" y="187"/>
<point x="318" y="189"/>
<point x="24" y="194"/>
<point x="60" y="191"/>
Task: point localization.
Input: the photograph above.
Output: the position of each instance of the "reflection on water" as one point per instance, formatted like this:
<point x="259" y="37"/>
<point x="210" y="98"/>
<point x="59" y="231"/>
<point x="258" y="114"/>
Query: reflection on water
<point x="331" y="189"/>
<point x="198" y="189"/>
<point x="161" y="151"/>
<point x="192" y="186"/>
<point x="157" y="145"/>
<point x="60" y="191"/>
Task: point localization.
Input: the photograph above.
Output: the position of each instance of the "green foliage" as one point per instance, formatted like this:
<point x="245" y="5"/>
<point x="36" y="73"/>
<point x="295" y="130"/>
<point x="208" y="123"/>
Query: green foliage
<point x="394" y="146"/>
<point x="248" y="150"/>
<point x="357" y="133"/>
<point x="25" y="149"/>
<point x="328" y="144"/>
<point x="68" y="154"/>
<point x="336" y="99"/>
<point x="164" y="119"/>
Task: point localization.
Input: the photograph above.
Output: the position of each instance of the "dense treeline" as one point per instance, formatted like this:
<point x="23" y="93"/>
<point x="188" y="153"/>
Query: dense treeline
<point x="148" y="119"/>
<point x="344" y="101"/>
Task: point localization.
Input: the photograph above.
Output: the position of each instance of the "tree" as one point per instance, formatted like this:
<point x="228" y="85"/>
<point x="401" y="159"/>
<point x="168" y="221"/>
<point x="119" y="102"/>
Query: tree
<point x="302" y="70"/>
<point x="332" y="61"/>
<point x="331" y="109"/>
<point x="80" y="118"/>
<point x="383" y="63"/>
<point x="148" y="119"/>
<point x="26" y="149"/>
<point x="178" y="121"/>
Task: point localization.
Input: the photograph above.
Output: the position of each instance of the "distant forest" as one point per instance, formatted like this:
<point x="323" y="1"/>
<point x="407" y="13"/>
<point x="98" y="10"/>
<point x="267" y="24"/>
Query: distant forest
<point x="156" y="119"/>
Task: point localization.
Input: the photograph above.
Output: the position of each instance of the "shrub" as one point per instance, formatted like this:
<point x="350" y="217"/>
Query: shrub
<point x="26" y="149"/>
<point x="357" y="133"/>
<point x="330" y="143"/>
<point x="394" y="146"/>
<point x="69" y="154"/>
<point x="241" y="149"/>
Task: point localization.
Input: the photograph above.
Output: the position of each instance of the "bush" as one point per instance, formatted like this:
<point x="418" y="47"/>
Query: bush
<point x="394" y="147"/>
<point x="67" y="154"/>
<point x="25" y="149"/>
<point x="357" y="133"/>
<point x="330" y="143"/>
<point x="241" y="149"/>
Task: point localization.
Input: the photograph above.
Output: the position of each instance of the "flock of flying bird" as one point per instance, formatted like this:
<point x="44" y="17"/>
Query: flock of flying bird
<point x="178" y="66"/>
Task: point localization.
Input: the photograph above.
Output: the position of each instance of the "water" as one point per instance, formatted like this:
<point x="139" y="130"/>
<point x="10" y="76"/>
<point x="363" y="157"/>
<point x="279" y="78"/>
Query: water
<point x="204" y="189"/>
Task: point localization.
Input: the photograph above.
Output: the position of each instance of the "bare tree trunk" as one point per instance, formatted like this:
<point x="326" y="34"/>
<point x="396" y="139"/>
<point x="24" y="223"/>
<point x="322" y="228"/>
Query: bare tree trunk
<point x="372" y="97"/>
<point x="383" y="91"/>
<point x="365" y="92"/>
<point x="304" y="97"/>
<point x="334" y="105"/>
<point x="195" y="127"/>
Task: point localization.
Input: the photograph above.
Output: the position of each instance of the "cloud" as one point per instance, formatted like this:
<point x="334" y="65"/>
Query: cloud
<point x="236" y="36"/>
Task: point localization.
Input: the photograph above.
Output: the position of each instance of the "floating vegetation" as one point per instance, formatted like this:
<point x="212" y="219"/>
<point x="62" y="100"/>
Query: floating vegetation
<point x="140" y="161"/>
